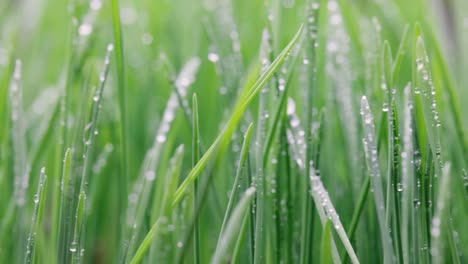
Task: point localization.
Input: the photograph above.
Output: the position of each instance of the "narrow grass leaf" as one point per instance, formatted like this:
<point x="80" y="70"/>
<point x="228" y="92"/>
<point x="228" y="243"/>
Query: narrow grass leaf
<point x="325" y="248"/>
<point x="370" y="148"/>
<point x="39" y="203"/>
<point x="232" y="228"/>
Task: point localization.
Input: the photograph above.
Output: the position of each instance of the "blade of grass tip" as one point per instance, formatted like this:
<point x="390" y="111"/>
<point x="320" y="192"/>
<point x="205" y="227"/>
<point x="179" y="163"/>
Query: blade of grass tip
<point x="122" y="103"/>
<point x="232" y="228"/>
<point x="39" y="202"/>
<point x="326" y="211"/>
<point x="234" y="120"/>
<point x="439" y="221"/>
<point x="88" y="138"/>
<point x="449" y="84"/>
<point x="76" y="244"/>
<point x="280" y="109"/>
<point x="376" y="179"/>
<point x="325" y="248"/>
<point x="171" y="181"/>
<point x="400" y="55"/>
<point x="91" y="127"/>
<point x="195" y="158"/>
<point x="427" y="96"/>
<point x="240" y="166"/>
<point x="185" y="78"/>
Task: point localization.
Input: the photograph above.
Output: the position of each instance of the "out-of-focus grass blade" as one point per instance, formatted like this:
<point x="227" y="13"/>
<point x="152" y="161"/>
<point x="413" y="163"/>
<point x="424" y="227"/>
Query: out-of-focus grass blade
<point x="21" y="165"/>
<point x="439" y="221"/>
<point x="232" y="228"/>
<point x="39" y="202"/>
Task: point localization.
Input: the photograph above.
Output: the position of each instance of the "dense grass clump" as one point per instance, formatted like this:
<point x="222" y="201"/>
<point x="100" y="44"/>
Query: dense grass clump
<point x="233" y="131"/>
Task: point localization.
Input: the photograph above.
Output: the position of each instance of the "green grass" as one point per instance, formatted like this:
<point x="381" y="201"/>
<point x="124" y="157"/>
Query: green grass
<point x="281" y="131"/>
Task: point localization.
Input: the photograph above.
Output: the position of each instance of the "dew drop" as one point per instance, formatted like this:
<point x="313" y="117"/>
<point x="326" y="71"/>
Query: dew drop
<point x="85" y="29"/>
<point x="213" y="57"/>
<point x="73" y="246"/>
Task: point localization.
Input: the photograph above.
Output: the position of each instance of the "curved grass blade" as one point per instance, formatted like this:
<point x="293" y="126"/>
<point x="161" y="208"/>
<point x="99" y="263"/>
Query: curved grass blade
<point x="232" y="228"/>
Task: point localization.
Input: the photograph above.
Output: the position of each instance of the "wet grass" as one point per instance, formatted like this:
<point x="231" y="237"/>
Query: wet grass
<point x="325" y="131"/>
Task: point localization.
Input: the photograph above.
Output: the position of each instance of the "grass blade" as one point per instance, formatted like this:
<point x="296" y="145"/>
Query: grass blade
<point x="166" y="208"/>
<point x="376" y="180"/>
<point x="232" y="228"/>
<point x="195" y="158"/>
<point x="119" y="53"/>
<point x="325" y="249"/>
<point x="327" y="211"/>
<point x="240" y="166"/>
<point x="39" y="203"/>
